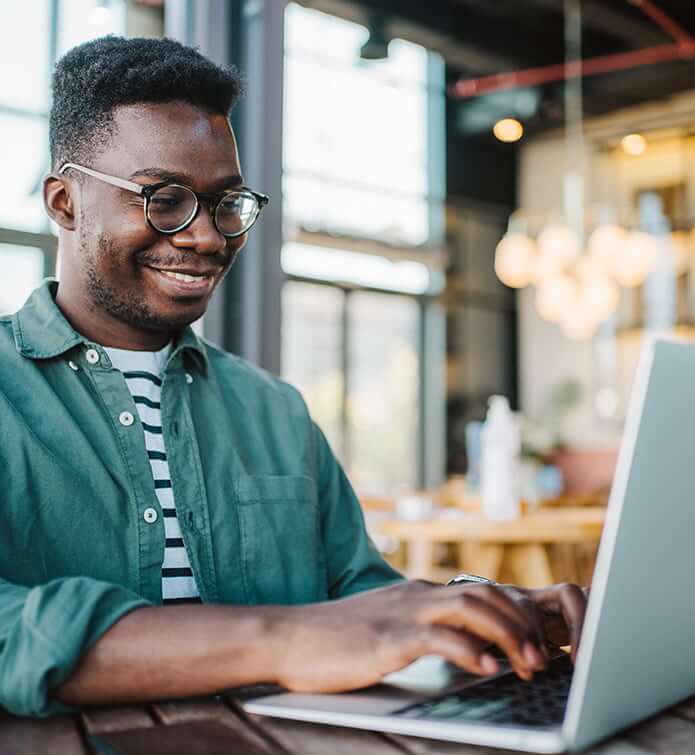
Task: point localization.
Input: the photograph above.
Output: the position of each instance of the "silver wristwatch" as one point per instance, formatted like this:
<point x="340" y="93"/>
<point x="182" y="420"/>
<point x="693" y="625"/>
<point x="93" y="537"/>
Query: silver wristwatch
<point x="470" y="578"/>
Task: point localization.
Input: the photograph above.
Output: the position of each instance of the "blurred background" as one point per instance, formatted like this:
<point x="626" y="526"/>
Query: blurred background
<point x="468" y="198"/>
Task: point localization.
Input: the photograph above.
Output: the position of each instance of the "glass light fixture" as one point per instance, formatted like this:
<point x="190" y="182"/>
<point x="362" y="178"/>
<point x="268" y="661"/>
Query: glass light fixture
<point x="558" y="246"/>
<point x="508" y="130"/>
<point x="556" y="296"/>
<point x="515" y="260"/>
<point x="634" y="260"/>
<point x="577" y="287"/>
<point x="605" y="242"/>
<point x="598" y="294"/>
<point x="634" y="145"/>
<point x="579" y="325"/>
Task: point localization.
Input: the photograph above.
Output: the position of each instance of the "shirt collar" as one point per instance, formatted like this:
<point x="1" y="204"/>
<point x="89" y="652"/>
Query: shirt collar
<point x="41" y="330"/>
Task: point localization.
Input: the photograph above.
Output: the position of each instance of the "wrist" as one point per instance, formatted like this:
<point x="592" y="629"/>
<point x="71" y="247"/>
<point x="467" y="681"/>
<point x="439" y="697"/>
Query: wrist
<point x="273" y="629"/>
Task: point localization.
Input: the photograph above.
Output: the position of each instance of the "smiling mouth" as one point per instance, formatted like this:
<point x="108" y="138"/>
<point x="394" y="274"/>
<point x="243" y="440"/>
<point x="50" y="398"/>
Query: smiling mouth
<point x="182" y="276"/>
<point x="177" y="283"/>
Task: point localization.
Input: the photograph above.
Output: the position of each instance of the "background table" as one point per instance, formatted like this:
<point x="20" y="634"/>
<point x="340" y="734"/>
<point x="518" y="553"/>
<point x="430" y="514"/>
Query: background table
<point x="514" y="551"/>
<point x="178" y="728"/>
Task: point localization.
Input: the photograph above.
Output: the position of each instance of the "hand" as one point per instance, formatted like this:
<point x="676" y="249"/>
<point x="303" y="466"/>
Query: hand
<point x="354" y="642"/>
<point x="559" y="612"/>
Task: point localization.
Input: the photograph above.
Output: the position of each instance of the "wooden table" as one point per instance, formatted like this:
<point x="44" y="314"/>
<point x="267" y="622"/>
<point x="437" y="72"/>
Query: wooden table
<point x="217" y="727"/>
<point x="516" y="551"/>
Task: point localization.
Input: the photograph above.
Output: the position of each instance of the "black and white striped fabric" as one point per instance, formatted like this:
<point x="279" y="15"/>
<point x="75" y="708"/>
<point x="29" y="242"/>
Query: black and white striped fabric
<point x="142" y="371"/>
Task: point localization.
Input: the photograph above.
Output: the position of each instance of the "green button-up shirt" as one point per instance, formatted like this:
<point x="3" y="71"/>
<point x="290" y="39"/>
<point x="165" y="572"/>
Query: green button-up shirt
<point x="266" y="512"/>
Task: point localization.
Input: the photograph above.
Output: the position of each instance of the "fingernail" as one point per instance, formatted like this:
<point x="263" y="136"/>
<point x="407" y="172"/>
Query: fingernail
<point x="488" y="664"/>
<point x="533" y="655"/>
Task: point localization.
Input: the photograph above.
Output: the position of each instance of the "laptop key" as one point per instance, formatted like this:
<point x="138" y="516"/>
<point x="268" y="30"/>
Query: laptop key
<point x="505" y="700"/>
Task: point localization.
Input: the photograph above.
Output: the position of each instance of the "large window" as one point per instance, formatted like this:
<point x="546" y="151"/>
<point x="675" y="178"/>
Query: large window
<point x="355" y="149"/>
<point x="33" y="33"/>
<point x="382" y="390"/>
<point x="361" y="213"/>
<point x="354" y="356"/>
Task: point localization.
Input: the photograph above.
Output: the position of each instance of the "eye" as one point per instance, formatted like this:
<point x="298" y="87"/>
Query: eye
<point x="167" y="198"/>
<point x="231" y="203"/>
<point x="170" y="207"/>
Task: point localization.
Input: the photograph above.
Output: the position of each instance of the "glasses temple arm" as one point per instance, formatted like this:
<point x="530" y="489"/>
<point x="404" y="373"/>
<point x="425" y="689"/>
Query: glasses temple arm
<point x="122" y="183"/>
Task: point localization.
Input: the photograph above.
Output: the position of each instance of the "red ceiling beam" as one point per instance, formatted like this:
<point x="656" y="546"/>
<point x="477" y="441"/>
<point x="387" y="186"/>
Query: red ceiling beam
<point x="621" y="61"/>
<point x="662" y="19"/>
<point x="682" y="49"/>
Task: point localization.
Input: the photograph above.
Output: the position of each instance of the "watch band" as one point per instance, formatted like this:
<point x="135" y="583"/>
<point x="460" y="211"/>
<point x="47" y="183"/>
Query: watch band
<point x="470" y="578"/>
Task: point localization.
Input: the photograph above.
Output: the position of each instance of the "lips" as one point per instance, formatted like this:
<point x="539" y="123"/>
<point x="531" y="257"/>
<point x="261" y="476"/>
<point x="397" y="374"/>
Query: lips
<point x="189" y="271"/>
<point x="187" y="277"/>
<point x="184" y="282"/>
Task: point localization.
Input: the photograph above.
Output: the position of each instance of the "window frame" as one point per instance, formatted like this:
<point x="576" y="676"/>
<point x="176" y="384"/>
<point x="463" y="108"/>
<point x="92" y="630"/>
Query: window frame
<point x="42" y="238"/>
<point x="431" y="338"/>
<point x="428" y="306"/>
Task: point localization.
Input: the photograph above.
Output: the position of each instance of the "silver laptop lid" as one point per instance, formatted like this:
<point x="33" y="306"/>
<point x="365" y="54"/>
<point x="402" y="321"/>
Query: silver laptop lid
<point x="636" y="655"/>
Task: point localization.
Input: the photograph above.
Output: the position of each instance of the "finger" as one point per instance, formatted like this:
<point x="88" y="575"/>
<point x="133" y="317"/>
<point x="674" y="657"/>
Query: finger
<point x="463" y="649"/>
<point x="471" y="613"/>
<point x="513" y="603"/>
<point x="522" y="599"/>
<point x="570" y="601"/>
<point x="573" y="602"/>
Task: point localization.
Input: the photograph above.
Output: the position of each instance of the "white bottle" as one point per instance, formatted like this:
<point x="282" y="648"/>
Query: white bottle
<point x="499" y="463"/>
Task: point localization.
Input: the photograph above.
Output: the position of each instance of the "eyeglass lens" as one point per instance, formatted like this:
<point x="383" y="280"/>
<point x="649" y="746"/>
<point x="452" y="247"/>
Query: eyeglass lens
<point x="172" y="207"/>
<point x="236" y="212"/>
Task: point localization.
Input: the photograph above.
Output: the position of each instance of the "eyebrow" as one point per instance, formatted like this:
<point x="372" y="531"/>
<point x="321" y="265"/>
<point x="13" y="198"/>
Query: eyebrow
<point x="233" y="180"/>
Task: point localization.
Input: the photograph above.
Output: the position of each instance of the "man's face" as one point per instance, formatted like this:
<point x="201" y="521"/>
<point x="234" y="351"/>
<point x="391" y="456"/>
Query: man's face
<point x="121" y="259"/>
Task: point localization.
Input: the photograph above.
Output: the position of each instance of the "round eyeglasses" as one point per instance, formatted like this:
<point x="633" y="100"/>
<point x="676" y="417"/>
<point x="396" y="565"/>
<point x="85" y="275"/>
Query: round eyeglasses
<point x="171" y="207"/>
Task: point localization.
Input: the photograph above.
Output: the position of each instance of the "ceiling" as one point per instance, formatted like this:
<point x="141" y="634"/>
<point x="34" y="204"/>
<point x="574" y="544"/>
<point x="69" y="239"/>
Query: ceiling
<point x="482" y="37"/>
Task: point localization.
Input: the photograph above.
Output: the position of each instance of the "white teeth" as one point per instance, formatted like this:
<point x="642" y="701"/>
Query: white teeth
<point x="183" y="276"/>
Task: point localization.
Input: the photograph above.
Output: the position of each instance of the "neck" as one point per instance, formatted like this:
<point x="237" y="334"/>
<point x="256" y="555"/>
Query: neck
<point x="99" y="326"/>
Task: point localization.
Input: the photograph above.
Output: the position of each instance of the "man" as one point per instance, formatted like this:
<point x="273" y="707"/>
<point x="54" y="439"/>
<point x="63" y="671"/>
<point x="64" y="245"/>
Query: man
<point x="142" y="466"/>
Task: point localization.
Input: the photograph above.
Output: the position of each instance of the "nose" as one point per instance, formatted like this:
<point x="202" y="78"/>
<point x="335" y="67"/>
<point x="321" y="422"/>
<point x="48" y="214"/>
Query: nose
<point x="200" y="236"/>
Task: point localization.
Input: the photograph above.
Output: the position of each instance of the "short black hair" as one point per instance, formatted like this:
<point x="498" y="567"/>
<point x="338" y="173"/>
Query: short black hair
<point x="94" y="78"/>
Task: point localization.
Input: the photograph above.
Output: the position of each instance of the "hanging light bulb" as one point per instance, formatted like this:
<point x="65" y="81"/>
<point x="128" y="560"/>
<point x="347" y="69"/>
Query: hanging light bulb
<point x="558" y="246"/>
<point x="605" y="244"/>
<point x="579" y="324"/>
<point x="597" y="293"/>
<point x="555" y="296"/>
<point x="635" y="259"/>
<point x="508" y="130"/>
<point x="515" y="259"/>
<point x="600" y="296"/>
<point x="634" y="144"/>
<point x="581" y="320"/>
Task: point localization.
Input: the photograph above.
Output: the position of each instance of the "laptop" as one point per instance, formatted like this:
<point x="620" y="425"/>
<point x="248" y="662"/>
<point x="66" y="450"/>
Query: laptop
<point x="636" y="655"/>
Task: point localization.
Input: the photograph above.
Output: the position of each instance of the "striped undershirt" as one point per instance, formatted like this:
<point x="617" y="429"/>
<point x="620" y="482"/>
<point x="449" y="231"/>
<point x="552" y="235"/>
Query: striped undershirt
<point x="142" y="371"/>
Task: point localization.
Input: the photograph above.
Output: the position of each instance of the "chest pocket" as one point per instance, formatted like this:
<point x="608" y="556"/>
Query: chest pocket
<point x="282" y="558"/>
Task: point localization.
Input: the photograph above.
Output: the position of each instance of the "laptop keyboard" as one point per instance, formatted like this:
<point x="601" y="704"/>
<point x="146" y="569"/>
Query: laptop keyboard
<point x="505" y="700"/>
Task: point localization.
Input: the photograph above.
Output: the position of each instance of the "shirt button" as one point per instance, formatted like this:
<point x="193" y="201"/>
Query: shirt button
<point x="92" y="356"/>
<point x="150" y="515"/>
<point x="73" y="366"/>
<point x="126" y="419"/>
<point x="189" y="378"/>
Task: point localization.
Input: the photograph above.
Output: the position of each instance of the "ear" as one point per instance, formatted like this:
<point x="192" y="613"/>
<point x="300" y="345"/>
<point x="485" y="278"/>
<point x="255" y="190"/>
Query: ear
<point x="59" y="202"/>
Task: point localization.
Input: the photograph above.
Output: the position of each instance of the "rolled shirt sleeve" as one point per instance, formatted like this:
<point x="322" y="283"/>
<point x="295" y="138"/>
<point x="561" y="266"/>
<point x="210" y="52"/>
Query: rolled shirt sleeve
<point x="44" y="632"/>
